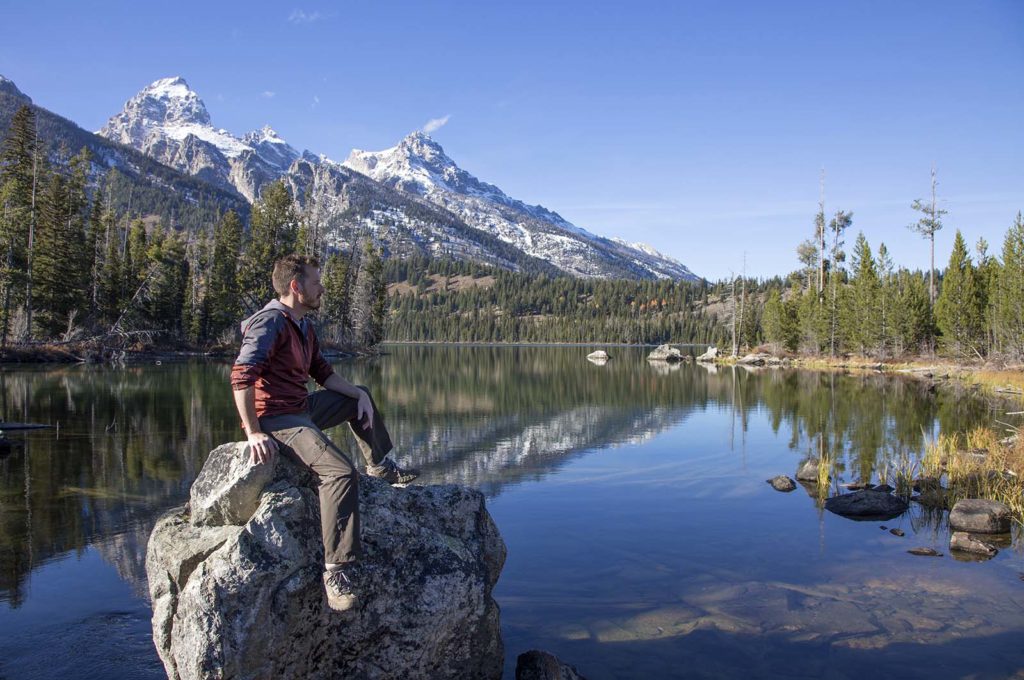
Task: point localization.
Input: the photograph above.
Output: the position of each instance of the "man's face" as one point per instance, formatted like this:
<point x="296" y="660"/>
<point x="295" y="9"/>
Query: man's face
<point x="309" y="289"/>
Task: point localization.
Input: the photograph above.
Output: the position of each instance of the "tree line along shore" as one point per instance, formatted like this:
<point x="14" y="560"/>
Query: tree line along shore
<point x="83" y="275"/>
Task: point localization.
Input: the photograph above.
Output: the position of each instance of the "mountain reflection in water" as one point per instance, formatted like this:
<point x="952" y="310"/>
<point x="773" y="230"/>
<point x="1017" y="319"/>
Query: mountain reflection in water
<point x="131" y="439"/>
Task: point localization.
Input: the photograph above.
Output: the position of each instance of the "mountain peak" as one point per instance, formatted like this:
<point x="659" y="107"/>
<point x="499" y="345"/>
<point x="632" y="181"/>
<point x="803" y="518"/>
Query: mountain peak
<point x="7" y="86"/>
<point x="169" y="100"/>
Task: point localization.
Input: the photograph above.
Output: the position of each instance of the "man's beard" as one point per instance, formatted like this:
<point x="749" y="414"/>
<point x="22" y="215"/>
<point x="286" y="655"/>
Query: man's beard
<point x="310" y="303"/>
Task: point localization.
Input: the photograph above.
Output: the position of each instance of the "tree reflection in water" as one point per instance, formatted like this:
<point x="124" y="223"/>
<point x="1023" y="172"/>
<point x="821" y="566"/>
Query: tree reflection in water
<point x="131" y="439"/>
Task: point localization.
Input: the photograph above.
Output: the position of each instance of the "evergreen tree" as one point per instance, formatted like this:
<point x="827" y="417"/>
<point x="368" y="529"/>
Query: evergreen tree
<point x="222" y="292"/>
<point x="862" y="320"/>
<point x="958" y="312"/>
<point x="110" y="276"/>
<point x="837" y="226"/>
<point x="911" y="319"/>
<point x="929" y="223"/>
<point x="18" y="179"/>
<point x="780" y="322"/>
<point x="334" y="309"/>
<point x="1009" y="293"/>
<point x="273" y="230"/>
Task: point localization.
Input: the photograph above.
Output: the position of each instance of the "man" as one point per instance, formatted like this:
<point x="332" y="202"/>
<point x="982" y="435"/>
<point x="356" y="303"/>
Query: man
<point x="279" y="353"/>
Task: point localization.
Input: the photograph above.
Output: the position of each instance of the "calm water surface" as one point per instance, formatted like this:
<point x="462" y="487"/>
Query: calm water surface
<point x="643" y="540"/>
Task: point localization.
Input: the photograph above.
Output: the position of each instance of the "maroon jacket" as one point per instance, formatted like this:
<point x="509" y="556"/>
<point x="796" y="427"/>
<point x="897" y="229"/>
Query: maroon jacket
<point x="277" y="357"/>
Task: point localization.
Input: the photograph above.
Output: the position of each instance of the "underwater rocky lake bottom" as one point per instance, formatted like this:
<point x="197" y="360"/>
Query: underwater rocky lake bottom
<point x="643" y="541"/>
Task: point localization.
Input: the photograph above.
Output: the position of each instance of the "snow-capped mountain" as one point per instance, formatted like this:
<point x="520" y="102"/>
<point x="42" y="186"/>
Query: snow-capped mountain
<point x="411" y="198"/>
<point x="419" y="166"/>
<point x="169" y="122"/>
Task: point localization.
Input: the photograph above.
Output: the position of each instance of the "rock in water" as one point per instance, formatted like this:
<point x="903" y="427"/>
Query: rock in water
<point x="980" y="516"/>
<point x="709" y="356"/>
<point x="538" y="665"/>
<point x="925" y="552"/>
<point x="599" y="355"/>
<point x="809" y="471"/>
<point x="782" y="483"/>
<point x="963" y="541"/>
<point x="665" y="353"/>
<point x="245" y="599"/>
<point x="867" y="505"/>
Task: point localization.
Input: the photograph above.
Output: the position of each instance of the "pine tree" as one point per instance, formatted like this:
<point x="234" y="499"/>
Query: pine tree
<point x="1009" y="293"/>
<point x="223" y="288"/>
<point x="862" y="320"/>
<point x="929" y="223"/>
<point x="110" y="277"/>
<point x="18" y="179"/>
<point x="838" y="226"/>
<point x="334" y="310"/>
<point x="780" y="322"/>
<point x="273" y="230"/>
<point x="958" y="312"/>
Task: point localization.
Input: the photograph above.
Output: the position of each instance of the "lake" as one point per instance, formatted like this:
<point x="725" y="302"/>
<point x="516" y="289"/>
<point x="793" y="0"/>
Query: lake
<point x="643" y="540"/>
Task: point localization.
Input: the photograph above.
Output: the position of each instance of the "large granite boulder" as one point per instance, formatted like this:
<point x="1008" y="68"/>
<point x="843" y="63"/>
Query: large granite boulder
<point x="980" y="516"/>
<point x="243" y="597"/>
<point x="867" y="504"/>
<point x="665" y="353"/>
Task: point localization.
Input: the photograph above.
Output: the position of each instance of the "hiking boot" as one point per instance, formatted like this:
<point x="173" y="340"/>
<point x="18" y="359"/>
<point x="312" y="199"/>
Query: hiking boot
<point x="391" y="473"/>
<point x="341" y="594"/>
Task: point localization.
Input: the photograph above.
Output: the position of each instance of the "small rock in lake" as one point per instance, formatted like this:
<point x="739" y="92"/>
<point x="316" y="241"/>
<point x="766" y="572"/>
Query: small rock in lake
<point x="809" y="471"/>
<point x="782" y="483"/>
<point x="867" y="505"/>
<point x="896" y="532"/>
<point x="980" y="516"/>
<point x="925" y="552"/>
<point x="961" y="540"/>
<point x="599" y="356"/>
<point x="665" y="353"/>
<point x="883" y="527"/>
<point x="539" y="665"/>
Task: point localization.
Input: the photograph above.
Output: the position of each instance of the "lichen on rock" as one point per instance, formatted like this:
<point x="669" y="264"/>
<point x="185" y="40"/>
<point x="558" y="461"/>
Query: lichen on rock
<point x="242" y="597"/>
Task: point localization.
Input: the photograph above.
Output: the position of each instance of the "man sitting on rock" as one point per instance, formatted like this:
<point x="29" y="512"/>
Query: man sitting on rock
<point x="279" y="354"/>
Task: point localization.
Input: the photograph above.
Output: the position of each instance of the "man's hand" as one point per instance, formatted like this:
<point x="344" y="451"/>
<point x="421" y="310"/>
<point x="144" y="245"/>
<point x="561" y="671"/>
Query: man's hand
<point x="262" y="448"/>
<point x="364" y="410"/>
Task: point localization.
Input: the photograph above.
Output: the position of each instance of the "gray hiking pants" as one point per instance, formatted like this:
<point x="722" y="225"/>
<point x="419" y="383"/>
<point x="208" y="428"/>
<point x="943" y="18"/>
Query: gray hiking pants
<point x="300" y="435"/>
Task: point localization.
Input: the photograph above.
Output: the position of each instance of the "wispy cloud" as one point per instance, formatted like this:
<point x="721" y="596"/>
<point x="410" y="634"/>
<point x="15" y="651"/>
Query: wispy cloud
<point x="267" y="94"/>
<point x="316" y="102"/>
<point x="299" y="16"/>
<point x="435" y="124"/>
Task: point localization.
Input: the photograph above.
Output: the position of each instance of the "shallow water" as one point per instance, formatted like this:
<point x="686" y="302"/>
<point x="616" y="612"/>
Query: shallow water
<point x="643" y="540"/>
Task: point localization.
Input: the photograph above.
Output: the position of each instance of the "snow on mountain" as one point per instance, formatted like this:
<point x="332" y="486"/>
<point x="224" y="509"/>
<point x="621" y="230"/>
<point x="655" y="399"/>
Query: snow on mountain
<point x="169" y="122"/>
<point x="411" y="198"/>
<point x="418" y="165"/>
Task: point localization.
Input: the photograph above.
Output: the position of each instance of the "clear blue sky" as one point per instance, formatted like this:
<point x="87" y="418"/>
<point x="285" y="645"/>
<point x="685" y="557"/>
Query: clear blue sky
<point x="698" y="127"/>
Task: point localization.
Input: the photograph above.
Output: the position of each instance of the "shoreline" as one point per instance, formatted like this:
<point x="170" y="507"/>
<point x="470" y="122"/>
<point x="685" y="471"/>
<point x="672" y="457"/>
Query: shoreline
<point x="1005" y="380"/>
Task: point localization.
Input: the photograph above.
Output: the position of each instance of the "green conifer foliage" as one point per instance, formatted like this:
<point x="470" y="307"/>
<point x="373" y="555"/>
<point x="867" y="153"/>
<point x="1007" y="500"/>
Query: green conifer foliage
<point x="863" y="323"/>
<point x="222" y="292"/>
<point x="1009" y="293"/>
<point x="18" y="177"/>
<point x="273" y="230"/>
<point x="958" y="311"/>
<point x="334" y="309"/>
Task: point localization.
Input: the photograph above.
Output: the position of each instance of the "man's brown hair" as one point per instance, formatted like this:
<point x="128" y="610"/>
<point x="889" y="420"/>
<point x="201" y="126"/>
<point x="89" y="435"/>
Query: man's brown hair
<point x="292" y="267"/>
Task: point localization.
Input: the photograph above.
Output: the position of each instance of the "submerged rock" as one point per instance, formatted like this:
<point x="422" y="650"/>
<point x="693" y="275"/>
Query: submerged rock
<point x="538" y="665"/>
<point x="243" y="598"/>
<point x="598" y="357"/>
<point x="963" y="541"/>
<point x="980" y="516"/>
<point x="782" y="483"/>
<point x="866" y="505"/>
<point x="925" y="552"/>
<point x="665" y="353"/>
<point x="897" y="532"/>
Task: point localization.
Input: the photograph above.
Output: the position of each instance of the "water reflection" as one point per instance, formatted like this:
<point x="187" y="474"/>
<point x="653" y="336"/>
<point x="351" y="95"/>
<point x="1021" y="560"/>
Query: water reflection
<point x="131" y="440"/>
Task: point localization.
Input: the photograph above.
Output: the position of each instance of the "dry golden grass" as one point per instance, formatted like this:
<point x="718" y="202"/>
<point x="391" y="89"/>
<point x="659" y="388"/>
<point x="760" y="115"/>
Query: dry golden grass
<point x="977" y="465"/>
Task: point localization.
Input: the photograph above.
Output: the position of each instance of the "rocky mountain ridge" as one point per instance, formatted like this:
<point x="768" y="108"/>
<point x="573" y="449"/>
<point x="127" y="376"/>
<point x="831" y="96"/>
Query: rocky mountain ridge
<point x="411" y="198"/>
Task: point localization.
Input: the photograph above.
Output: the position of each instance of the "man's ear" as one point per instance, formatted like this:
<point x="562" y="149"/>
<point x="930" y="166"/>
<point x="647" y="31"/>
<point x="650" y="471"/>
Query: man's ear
<point x="294" y="286"/>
